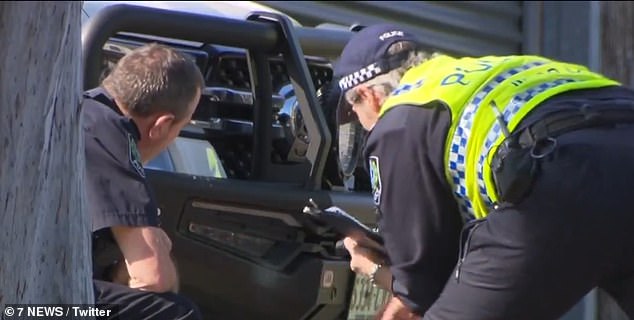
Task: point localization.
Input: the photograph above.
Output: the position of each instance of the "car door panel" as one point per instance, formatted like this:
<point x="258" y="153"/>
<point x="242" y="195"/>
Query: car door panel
<point x="249" y="241"/>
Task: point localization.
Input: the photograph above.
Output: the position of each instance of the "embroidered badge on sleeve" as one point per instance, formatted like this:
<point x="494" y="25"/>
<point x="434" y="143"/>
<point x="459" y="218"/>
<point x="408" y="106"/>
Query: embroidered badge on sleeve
<point x="135" y="156"/>
<point x="375" y="179"/>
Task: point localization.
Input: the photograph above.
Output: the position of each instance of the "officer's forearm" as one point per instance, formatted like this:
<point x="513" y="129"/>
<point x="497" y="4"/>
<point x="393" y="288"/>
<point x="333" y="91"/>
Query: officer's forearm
<point x="158" y="277"/>
<point x="156" y="282"/>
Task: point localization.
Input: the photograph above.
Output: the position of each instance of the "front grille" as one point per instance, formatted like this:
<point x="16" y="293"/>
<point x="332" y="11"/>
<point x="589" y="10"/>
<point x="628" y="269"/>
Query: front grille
<point x="232" y="71"/>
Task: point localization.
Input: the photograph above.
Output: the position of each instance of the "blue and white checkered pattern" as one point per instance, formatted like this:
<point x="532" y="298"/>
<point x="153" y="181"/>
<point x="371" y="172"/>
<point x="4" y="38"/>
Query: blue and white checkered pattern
<point x="513" y="107"/>
<point x="458" y="149"/>
<point x="360" y="76"/>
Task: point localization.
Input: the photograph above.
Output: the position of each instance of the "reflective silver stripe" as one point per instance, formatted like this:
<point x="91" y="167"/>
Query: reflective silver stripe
<point x="457" y="149"/>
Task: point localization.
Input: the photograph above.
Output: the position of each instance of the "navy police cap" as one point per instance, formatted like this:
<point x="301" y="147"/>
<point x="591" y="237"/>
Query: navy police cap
<point x="365" y="56"/>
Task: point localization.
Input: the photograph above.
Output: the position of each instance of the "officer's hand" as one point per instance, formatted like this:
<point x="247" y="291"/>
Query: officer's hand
<point x="396" y="310"/>
<point x="362" y="259"/>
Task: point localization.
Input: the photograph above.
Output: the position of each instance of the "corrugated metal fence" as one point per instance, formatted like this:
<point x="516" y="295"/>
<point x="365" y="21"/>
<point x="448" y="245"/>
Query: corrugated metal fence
<point x="458" y="27"/>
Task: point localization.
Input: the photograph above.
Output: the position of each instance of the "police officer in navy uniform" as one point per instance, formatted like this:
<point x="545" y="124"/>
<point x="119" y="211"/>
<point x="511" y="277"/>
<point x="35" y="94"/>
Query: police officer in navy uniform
<point x="503" y="184"/>
<point x="142" y="105"/>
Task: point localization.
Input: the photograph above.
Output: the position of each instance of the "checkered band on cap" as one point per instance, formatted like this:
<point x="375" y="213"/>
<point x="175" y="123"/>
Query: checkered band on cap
<point x="458" y="147"/>
<point x="511" y="109"/>
<point x="360" y="76"/>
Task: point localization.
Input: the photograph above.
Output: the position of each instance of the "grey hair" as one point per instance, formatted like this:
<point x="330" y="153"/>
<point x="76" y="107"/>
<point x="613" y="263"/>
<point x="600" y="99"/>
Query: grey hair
<point x="389" y="81"/>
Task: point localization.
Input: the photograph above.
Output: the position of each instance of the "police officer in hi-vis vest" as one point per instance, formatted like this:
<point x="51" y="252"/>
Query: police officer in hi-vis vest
<point x="503" y="184"/>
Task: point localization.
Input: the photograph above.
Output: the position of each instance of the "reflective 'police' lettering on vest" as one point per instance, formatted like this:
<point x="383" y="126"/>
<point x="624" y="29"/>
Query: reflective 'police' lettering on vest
<point x="460" y="76"/>
<point x="135" y="157"/>
<point x="357" y="77"/>
<point x="468" y="87"/>
<point x="483" y="65"/>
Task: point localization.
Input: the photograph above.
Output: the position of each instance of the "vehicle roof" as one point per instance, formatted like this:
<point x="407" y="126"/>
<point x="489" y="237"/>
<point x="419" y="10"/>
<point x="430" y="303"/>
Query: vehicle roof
<point x="228" y="9"/>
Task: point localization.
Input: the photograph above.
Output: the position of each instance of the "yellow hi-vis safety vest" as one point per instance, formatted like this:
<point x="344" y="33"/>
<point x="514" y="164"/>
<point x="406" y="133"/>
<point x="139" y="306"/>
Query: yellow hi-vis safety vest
<point x="471" y="88"/>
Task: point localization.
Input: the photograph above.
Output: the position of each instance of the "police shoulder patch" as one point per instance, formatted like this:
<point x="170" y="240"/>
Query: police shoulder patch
<point x="135" y="156"/>
<point x="375" y="179"/>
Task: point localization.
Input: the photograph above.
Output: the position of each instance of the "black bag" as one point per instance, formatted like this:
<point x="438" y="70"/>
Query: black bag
<point x="514" y="170"/>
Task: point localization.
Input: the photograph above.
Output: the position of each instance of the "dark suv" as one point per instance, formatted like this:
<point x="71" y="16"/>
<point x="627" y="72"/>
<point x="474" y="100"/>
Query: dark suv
<point x="232" y="187"/>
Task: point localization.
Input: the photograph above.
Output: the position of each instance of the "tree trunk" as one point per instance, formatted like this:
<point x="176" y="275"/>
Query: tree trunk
<point x="617" y="62"/>
<point x="617" y="40"/>
<point x="44" y="228"/>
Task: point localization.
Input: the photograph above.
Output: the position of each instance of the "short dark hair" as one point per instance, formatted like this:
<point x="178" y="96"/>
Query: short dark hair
<point x="154" y="78"/>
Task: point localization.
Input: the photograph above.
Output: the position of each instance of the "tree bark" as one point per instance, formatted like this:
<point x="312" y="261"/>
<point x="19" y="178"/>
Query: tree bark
<point x="44" y="229"/>
<point x="617" y="62"/>
<point x="617" y="40"/>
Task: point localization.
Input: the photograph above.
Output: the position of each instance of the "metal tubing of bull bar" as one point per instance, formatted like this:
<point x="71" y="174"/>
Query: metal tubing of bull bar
<point x="193" y="27"/>
<point x="301" y="80"/>
<point x="262" y="113"/>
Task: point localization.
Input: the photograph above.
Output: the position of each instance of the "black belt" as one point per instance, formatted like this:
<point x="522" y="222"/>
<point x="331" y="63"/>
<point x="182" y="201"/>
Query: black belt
<point x="514" y="165"/>
<point x="557" y="123"/>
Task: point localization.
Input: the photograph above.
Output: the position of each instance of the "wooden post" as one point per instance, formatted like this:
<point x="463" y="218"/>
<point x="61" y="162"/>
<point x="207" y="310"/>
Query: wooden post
<point x="44" y="228"/>
<point x="617" y="40"/>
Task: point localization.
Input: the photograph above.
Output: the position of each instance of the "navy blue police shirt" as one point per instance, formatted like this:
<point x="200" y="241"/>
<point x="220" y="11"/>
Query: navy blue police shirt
<point x="116" y="188"/>
<point x="418" y="216"/>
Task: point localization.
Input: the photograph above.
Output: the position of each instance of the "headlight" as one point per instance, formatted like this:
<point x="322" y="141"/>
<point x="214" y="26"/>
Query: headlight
<point x="349" y="132"/>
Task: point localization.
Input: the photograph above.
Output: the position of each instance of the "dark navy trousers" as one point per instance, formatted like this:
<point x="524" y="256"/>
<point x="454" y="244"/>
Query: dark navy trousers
<point x="573" y="232"/>
<point x="133" y="304"/>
